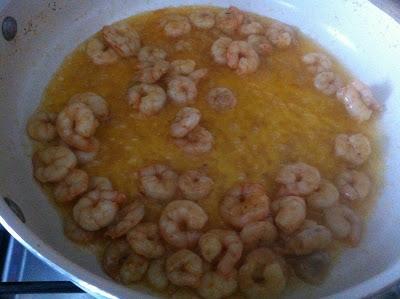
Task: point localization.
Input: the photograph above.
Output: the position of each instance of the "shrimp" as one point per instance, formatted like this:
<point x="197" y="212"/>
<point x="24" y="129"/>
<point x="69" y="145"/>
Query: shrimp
<point x="183" y="45"/>
<point x="74" y="184"/>
<point x="114" y="256"/>
<point x="52" y="164"/>
<point x="260" y="44"/>
<point x="317" y="63"/>
<point x="181" y="222"/>
<point x="76" y="124"/>
<point x="99" y="53"/>
<point x="76" y="234"/>
<point x="148" y="99"/>
<point x="176" y="26"/>
<point x="258" y="234"/>
<point x="280" y="35"/>
<point x="122" y="38"/>
<point x="185" y="121"/>
<point x="198" y="74"/>
<point x="41" y="126"/>
<point x="158" y="181"/>
<point x="344" y="223"/>
<point x="97" y="209"/>
<point x="251" y="27"/>
<point x="96" y="103"/>
<point x="244" y="203"/>
<point x="353" y="185"/>
<point x="298" y="179"/>
<point x="219" y="49"/>
<point x="354" y="149"/>
<point x="327" y="82"/>
<point x="182" y="66"/>
<point x="312" y="268"/>
<point x="195" y="185"/>
<point x="182" y="90"/>
<point x="99" y="183"/>
<point x="151" y="72"/>
<point x="133" y="268"/>
<point x="290" y="213"/>
<point x="151" y="54"/>
<point x="221" y="99"/>
<point x="229" y="20"/>
<point x="127" y="218"/>
<point x="196" y="142"/>
<point x="202" y="19"/>
<point x="222" y="246"/>
<point x="145" y="240"/>
<point x="86" y="157"/>
<point x="184" y="268"/>
<point x="156" y="275"/>
<point x="324" y="197"/>
<point x="263" y="274"/>
<point x="215" y="286"/>
<point x="242" y="57"/>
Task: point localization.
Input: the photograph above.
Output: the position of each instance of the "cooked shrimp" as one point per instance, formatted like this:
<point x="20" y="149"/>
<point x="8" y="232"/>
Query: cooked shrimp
<point x="133" y="268"/>
<point x="185" y="121"/>
<point x="219" y="49"/>
<point x="298" y="179"/>
<point x="114" y="255"/>
<point x="176" y="25"/>
<point x="222" y="246"/>
<point x="145" y="240"/>
<point x="148" y="99"/>
<point x="96" y="103"/>
<point x="97" y="209"/>
<point x="158" y="181"/>
<point x="99" y="183"/>
<point x="122" y="38"/>
<point x="215" y="286"/>
<point x="317" y="62"/>
<point x="242" y="57"/>
<point x="151" y="54"/>
<point x="353" y="185"/>
<point x="229" y="20"/>
<point x="312" y="268"/>
<point x="198" y="141"/>
<point x="182" y="66"/>
<point x="76" y="234"/>
<point x="76" y="124"/>
<point x="258" y="234"/>
<point x="202" y="19"/>
<point x="328" y="82"/>
<point x="156" y="275"/>
<point x="99" y="53"/>
<point x="324" y="197"/>
<point x="53" y="163"/>
<point x="198" y="74"/>
<point x="183" y="45"/>
<point x="127" y="218"/>
<point x="290" y="213"/>
<point x="74" y="184"/>
<point x="181" y="222"/>
<point x="260" y="44"/>
<point x="280" y="35"/>
<point x="182" y="90"/>
<point x="263" y="274"/>
<point x="41" y="126"/>
<point x="195" y="184"/>
<point x="354" y="149"/>
<point x="221" y="99"/>
<point x="244" y="203"/>
<point x="184" y="268"/>
<point x="251" y="27"/>
<point x="86" y="157"/>
<point x="151" y="72"/>
<point x="344" y="223"/>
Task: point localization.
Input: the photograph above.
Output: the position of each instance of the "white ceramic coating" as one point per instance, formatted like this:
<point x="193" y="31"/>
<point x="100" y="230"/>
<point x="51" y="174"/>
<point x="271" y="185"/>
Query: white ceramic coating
<point x="361" y="36"/>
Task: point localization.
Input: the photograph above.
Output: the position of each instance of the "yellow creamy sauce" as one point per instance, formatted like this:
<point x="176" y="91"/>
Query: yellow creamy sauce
<point x="280" y="117"/>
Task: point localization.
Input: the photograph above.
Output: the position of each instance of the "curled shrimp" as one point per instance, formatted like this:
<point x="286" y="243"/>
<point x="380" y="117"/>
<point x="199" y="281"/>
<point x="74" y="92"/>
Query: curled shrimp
<point x="242" y="57"/>
<point x="324" y="197"/>
<point x="182" y="90"/>
<point x="280" y="35"/>
<point x="185" y="121"/>
<point x="182" y="66"/>
<point x="223" y="247"/>
<point x="76" y="124"/>
<point x="260" y="44"/>
<point x="52" y="164"/>
<point x="344" y="224"/>
<point x="176" y="26"/>
<point x="353" y="185"/>
<point x="127" y="218"/>
<point x="244" y="203"/>
<point x="184" y="268"/>
<point x="145" y="240"/>
<point x="133" y="268"/>
<point x="97" y="209"/>
<point x="122" y="38"/>
<point x="181" y="222"/>
<point x="317" y="62"/>
<point x="99" y="183"/>
<point x="327" y="82"/>
<point x="96" y="103"/>
<point x="290" y="213"/>
<point x="151" y="54"/>
<point x="151" y="72"/>
<point x="298" y="179"/>
<point x="86" y="157"/>
<point x="156" y="275"/>
<point x="158" y="181"/>
<point x="195" y="184"/>
<point x="215" y="286"/>
<point x="74" y="184"/>
<point x="202" y="19"/>
<point x="354" y="149"/>
<point x="196" y="142"/>
<point x="229" y="20"/>
<point x="221" y="99"/>
<point x="219" y="49"/>
<point x="114" y="256"/>
<point x="148" y="99"/>
<point x="99" y="53"/>
<point x="41" y="126"/>
<point x="251" y="27"/>
<point x="258" y="234"/>
<point x="76" y="234"/>
<point x="198" y="75"/>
